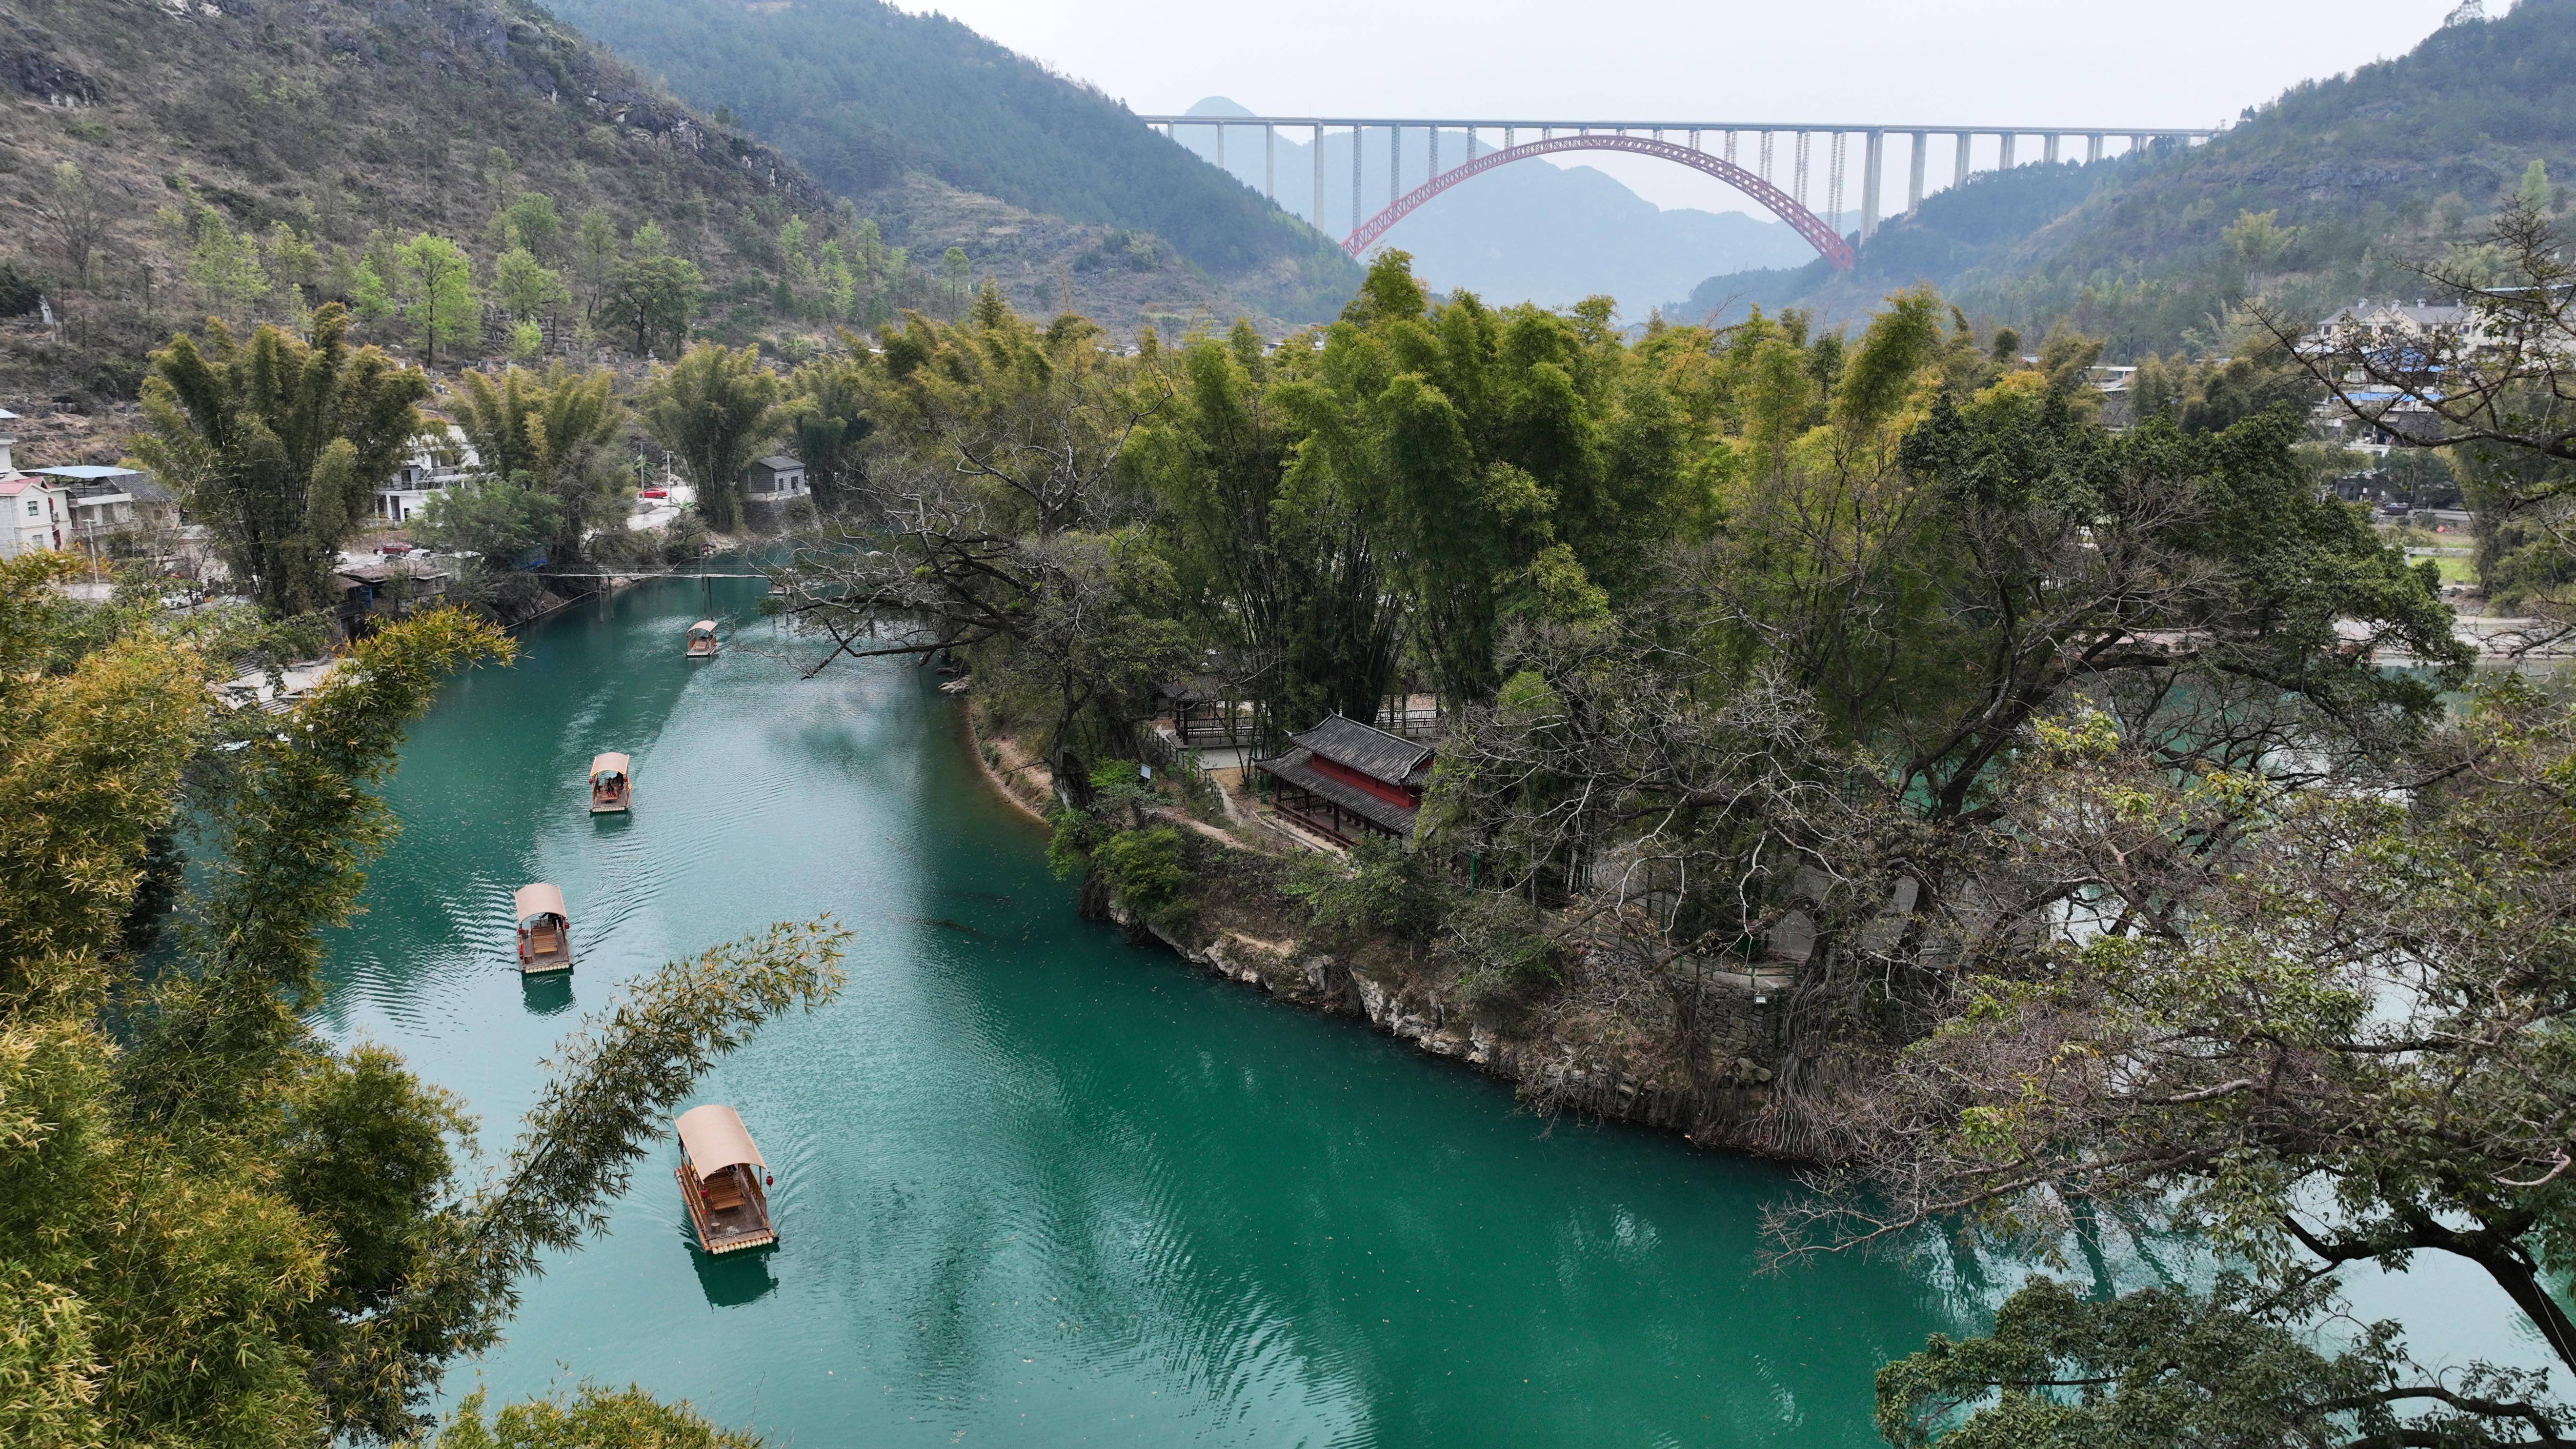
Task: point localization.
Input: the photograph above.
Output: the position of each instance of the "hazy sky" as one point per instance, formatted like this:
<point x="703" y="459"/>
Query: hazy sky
<point x="1979" y="62"/>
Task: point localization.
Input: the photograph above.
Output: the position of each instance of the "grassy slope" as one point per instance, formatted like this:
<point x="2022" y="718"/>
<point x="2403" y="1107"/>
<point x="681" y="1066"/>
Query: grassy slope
<point x="862" y="93"/>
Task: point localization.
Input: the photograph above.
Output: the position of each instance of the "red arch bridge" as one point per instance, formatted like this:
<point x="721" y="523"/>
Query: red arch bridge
<point x="1793" y="170"/>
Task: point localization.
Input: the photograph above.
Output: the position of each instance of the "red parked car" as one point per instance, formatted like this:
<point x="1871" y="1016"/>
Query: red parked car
<point x="653" y="493"/>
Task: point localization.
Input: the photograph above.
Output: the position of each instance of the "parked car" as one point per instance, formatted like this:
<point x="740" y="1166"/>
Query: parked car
<point x="393" y="550"/>
<point x="653" y="493"/>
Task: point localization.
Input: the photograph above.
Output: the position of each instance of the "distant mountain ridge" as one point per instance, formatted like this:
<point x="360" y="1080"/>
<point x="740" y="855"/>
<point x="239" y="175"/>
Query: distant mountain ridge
<point x="862" y="94"/>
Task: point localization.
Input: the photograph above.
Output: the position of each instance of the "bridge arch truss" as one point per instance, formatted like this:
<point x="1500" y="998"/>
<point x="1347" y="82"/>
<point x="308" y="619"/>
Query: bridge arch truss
<point x="1818" y="232"/>
<point x="1759" y="176"/>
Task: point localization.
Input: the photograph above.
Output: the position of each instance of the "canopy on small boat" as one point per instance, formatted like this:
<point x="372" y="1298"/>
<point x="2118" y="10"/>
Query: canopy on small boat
<point x="539" y="900"/>
<point x="611" y="763"/>
<point x="714" y="1138"/>
<point x="703" y="626"/>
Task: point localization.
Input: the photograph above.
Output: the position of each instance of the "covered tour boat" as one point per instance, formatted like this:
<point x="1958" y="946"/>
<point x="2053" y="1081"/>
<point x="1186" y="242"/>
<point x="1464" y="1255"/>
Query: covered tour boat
<point x="722" y="1179"/>
<point x="612" y="784"/>
<point x="545" y="931"/>
<point x="702" y="639"/>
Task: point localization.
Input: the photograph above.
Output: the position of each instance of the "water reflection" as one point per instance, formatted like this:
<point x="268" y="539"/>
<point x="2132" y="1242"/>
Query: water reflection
<point x="548" y="993"/>
<point x="734" y="1279"/>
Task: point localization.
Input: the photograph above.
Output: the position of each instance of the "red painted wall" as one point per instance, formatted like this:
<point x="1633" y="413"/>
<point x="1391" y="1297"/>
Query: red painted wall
<point x="1391" y="794"/>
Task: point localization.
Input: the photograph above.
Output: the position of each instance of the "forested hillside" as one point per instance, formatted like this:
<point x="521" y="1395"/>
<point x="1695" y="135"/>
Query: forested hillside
<point x="473" y="178"/>
<point x="862" y="94"/>
<point x="453" y="169"/>
<point x="1955" y="230"/>
<point x="2316" y="199"/>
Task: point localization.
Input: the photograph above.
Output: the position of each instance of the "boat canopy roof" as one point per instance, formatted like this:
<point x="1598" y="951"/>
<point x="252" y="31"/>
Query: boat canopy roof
<point x="611" y="763"/>
<point x="703" y="626"/>
<point x="539" y="900"/>
<point x="714" y="1138"/>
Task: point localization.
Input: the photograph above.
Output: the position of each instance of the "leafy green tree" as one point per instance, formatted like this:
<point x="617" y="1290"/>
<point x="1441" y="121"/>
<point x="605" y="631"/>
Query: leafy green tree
<point x="503" y="521"/>
<point x="1269" y="544"/>
<point x="530" y="223"/>
<point x="277" y="444"/>
<point x="2535" y="193"/>
<point x="550" y="432"/>
<point x="996" y="526"/>
<point x="524" y="286"/>
<point x="595" y="248"/>
<point x="2321" y="1029"/>
<point x="223" y="265"/>
<point x="295" y="267"/>
<point x="830" y="405"/>
<point x="432" y="289"/>
<point x="658" y="296"/>
<point x="596" y="1419"/>
<point x="716" y="408"/>
<point x="222" y="1229"/>
<point x="1510" y="460"/>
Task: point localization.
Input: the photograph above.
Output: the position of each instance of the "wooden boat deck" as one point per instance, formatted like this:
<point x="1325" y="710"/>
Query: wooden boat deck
<point x="549" y="949"/>
<point x="725" y="1217"/>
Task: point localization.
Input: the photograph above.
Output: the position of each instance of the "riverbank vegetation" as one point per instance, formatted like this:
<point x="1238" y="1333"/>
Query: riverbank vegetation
<point x="2017" y="819"/>
<point x="221" y="1227"/>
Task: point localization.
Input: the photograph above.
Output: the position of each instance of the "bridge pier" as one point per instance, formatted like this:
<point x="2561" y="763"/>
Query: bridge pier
<point x="1967" y="158"/>
<point x="1394" y="163"/>
<point x="2006" y="162"/>
<point x="1357" y="215"/>
<point x="1318" y="159"/>
<point x="1220" y="147"/>
<point x="1914" y="172"/>
<point x="1270" y="162"/>
<point x="1872" y="166"/>
<point x="2092" y="148"/>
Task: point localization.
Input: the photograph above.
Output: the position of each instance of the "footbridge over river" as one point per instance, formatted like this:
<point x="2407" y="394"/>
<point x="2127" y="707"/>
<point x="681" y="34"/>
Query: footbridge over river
<point x="1775" y="163"/>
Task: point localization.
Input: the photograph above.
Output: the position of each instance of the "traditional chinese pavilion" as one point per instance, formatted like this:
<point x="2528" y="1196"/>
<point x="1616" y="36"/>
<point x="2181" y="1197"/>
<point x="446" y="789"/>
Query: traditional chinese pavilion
<point x="1344" y="779"/>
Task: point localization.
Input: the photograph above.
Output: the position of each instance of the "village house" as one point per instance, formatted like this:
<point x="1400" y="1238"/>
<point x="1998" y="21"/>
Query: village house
<point x="1343" y="779"/>
<point x="437" y="461"/>
<point x="34" y="511"/>
<point x="110" y="500"/>
<point x="34" y="514"/>
<point x="775" y="479"/>
<point x="399" y="587"/>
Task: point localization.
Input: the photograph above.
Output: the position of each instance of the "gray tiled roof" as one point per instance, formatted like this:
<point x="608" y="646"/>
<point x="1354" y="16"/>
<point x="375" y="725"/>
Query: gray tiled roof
<point x="1371" y="751"/>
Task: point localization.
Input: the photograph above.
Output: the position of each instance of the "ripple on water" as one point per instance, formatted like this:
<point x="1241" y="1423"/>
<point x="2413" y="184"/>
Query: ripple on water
<point x="1034" y="1187"/>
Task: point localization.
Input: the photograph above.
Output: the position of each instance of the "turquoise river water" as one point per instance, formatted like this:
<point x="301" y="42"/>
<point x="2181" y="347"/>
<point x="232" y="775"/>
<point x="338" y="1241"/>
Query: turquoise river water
<point x="1035" y="1187"/>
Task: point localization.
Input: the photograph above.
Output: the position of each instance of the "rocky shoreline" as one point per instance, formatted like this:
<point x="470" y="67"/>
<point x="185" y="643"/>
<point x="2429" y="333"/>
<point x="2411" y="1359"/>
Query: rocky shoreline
<point x="1724" y="1102"/>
